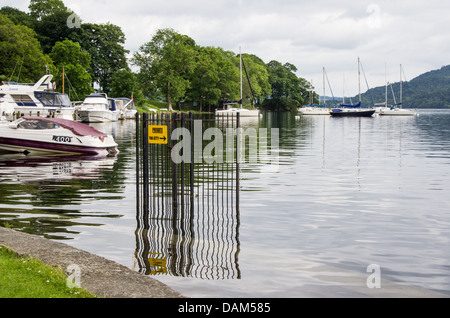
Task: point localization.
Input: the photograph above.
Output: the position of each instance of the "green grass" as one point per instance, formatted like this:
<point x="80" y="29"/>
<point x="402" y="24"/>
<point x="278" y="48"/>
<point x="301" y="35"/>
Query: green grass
<point x="24" y="277"/>
<point x="160" y="106"/>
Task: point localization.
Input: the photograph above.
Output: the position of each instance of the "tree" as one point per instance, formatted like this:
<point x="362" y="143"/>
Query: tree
<point x="104" y="42"/>
<point x="166" y="63"/>
<point x="51" y="23"/>
<point x="255" y="82"/>
<point x="18" y="17"/>
<point x="288" y="90"/>
<point x="42" y="8"/>
<point x="214" y="77"/>
<point x="69" y="55"/>
<point x="20" y="53"/>
<point x="124" y="84"/>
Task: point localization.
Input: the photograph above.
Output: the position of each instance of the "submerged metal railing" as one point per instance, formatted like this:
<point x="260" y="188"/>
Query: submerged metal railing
<point x="187" y="197"/>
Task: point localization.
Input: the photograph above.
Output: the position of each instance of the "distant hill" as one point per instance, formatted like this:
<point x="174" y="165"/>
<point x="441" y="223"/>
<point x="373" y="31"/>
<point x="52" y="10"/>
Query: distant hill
<point x="429" y="90"/>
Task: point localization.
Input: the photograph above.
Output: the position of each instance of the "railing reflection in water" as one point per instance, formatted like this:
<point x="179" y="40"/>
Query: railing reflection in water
<point x="188" y="212"/>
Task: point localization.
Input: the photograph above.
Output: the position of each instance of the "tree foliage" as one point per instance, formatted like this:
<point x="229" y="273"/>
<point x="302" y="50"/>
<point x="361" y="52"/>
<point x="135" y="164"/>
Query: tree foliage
<point x="21" y="57"/>
<point x="428" y="90"/>
<point x="104" y="42"/>
<point x="124" y="84"/>
<point x="166" y="62"/>
<point x="255" y="84"/>
<point x="171" y="66"/>
<point x="214" y="77"/>
<point x="68" y="55"/>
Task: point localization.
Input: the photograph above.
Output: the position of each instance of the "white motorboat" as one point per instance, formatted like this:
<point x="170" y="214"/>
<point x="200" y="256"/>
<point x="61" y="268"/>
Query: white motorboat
<point x="30" y="134"/>
<point x="36" y="99"/>
<point x="97" y="108"/>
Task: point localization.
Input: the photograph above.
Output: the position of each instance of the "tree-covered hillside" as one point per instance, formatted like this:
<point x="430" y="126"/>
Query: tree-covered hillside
<point x="429" y="90"/>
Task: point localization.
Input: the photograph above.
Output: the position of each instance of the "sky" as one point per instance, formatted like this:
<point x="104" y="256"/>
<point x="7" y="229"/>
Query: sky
<point x="312" y="35"/>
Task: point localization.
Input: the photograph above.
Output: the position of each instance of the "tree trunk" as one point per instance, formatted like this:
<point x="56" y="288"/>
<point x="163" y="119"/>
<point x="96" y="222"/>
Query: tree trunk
<point x="169" y="99"/>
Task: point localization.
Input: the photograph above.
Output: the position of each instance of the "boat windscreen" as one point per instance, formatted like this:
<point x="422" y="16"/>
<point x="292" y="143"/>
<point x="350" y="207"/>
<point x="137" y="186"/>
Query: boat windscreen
<point x="37" y="124"/>
<point x="53" y="99"/>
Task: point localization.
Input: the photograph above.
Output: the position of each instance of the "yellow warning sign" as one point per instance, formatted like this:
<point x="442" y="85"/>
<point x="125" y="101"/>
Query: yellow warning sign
<point x="157" y="134"/>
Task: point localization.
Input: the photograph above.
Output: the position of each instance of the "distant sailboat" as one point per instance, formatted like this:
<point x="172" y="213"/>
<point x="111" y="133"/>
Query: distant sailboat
<point x="243" y="112"/>
<point x="313" y="109"/>
<point x="350" y="110"/>
<point x="396" y="109"/>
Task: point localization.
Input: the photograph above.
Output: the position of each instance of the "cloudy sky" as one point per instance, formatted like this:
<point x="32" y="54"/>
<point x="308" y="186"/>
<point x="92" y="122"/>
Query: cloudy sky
<point x="312" y="35"/>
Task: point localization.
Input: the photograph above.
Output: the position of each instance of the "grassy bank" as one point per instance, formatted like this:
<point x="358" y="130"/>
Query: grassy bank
<point x="150" y="106"/>
<point x="24" y="277"/>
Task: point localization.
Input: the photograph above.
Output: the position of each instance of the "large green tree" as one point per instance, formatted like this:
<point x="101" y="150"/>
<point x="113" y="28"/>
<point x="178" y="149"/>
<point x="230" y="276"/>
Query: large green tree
<point x="166" y="63"/>
<point x="19" y="17"/>
<point x="21" y="57"/>
<point x="288" y="90"/>
<point x="53" y="22"/>
<point x="214" y="77"/>
<point x="104" y="42"/>
<point x="68" y="55"/>
<point x="256" y="85"/>
<point x="124" y="84"/>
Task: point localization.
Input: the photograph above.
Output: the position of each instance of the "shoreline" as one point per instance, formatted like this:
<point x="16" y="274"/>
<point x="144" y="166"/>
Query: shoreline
<point x="99" y="276"/>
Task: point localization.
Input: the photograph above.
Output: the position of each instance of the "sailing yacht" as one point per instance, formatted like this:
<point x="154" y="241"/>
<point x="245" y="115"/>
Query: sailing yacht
<point x="312" y="109"/>
<point x="232" y="111"/>
<point x="393" y="110"/>
<point x="349" y="110"/>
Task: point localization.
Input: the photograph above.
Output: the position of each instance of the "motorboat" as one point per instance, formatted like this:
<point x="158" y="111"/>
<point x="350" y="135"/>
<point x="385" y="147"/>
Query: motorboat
<point x="31" y="134"/>
<point x="126" y="108"/>
<point x="97" y="108"/>
<point x="37" y="99"/>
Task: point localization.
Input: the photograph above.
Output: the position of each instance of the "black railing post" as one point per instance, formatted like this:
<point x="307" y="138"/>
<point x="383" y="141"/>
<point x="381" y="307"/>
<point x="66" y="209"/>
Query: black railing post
<point x="145" y="159"/>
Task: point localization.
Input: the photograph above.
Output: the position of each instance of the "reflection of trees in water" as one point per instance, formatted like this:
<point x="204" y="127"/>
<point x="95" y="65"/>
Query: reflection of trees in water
<point x="188" y="225"/>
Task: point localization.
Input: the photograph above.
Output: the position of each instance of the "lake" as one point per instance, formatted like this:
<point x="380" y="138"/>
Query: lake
<point x="348" y="195"/>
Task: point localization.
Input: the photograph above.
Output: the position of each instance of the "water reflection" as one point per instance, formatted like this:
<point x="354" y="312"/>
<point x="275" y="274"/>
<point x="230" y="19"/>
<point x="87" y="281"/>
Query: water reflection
<point x="43" y="194"/>
<point x="188" y="223"/>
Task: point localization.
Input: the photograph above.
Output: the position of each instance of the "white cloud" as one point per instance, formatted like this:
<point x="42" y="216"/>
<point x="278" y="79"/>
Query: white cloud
<point x="308" y="34"/>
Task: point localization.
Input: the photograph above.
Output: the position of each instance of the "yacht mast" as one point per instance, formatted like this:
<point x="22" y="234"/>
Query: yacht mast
<point x="359" y="80"/>
<point x="323" y="75"/>
<point x="240" y="70"/>
<point x="401" y="93"/>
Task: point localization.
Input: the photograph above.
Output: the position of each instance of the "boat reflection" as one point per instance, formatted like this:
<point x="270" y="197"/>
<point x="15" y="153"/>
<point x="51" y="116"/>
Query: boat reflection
<point x="43" y="195"/>
<point x="20" y="168"/>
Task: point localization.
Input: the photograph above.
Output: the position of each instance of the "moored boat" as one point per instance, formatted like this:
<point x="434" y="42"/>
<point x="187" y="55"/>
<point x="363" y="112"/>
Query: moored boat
<point x="243" y="112"/>
<point x="347" y="112"/>
<point x="126" y="108"/>
<point x="37" y="99"/>
<point x="314" y="110"/>
<point x="229" y="110"/>
<point x="396" y="109"/>
<point x="97" y="108"/>
<point x="30" y="134"/>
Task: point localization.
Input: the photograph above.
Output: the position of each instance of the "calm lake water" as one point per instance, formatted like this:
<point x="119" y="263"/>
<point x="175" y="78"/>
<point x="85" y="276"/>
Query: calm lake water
<point x="347" y="193"/>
